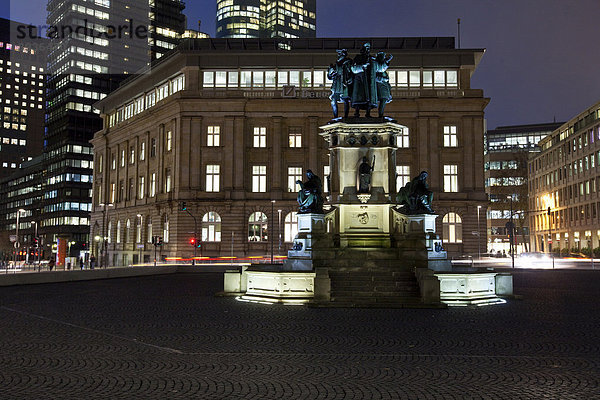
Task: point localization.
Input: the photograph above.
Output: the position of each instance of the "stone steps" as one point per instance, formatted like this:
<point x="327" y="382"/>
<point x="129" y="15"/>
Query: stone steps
<point x="374" y="286"/>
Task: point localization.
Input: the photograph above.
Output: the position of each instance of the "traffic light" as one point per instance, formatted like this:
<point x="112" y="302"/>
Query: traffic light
<point x="193" y="241"/>
<point x="183" y="206"/>
<point x="36" y="242"/>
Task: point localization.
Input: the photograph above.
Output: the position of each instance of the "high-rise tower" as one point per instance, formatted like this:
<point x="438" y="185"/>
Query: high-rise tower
<point x="95" y="46"/>
<point x="266" y="18"/>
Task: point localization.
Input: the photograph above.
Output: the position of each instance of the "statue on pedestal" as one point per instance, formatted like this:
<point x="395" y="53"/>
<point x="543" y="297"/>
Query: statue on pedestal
<point x="364" y="175"/>
<point x="310" y="196"/>
<point x="364" y="92"/>
<point x="341" y="88"/>
<point x="415" y="196"/>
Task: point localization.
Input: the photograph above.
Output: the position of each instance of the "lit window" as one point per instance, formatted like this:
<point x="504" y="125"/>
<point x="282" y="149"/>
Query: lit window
<point x="142" y="151"/>
<point x="452" y="228"/>
<point x="122" y="158"/>
<point x="294" y="175"/>
<point x="141" y="188"/>
<point x="260" y="137"/>
<point x="326" y="172"/>
<point x="257" y="227"/>
<point x="169" y="143"/>
<point x="259" y="178"/>
<point x="213" y="138"/>
<point x="450" y="136"/>
<point x="153" y="185"/>
<point x="168" y="180"/>
<point x="211" y="227"/>
<point x="403" y="139"/>
<point x="212" y="178"/>
<point x="450" y="178"/>
<point x="295" y="137"/>
<point x="291" y="227"/>
<point x="402" y="176"/>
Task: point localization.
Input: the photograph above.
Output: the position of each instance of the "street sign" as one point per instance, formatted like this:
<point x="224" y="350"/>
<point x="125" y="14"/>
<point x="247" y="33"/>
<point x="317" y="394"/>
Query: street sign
<point x="17" y="245"/>
<point x="13" y="238"/>
<point x="140" y="246"/>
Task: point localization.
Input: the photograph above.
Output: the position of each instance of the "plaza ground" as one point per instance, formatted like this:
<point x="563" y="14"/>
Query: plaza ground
<point x="168" y="337"/>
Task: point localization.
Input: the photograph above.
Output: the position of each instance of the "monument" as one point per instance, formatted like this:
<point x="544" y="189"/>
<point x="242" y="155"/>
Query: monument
<point x="372" y="244"/>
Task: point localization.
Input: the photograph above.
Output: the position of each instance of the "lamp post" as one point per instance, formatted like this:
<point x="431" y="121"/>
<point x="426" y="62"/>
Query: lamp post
<point x="35" y="240"/>
<point x="184" y="208"/>
<point x="511" y="232"/>
<point x="272" y="228"/>
<point x="478" y="234"/>
<point x="550" y="235"/>
<point x="17" y="243"/>
<point x="104" y="256"/>
<point x="279" y="229"/>
<point x="140" y="241"/>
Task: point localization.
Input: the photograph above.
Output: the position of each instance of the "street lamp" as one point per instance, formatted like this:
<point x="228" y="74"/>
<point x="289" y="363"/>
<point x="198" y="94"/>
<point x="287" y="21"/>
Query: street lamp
<point x="550" y="234"/>
<point x="140" y="241"/>
<point x="478" y="234"/>
<point x="511" y="233"/>
<point x="272" y="228"/>
<point x="279" y="229"/>
<point x="104" y="257"/>
<point x="17" y="243"/>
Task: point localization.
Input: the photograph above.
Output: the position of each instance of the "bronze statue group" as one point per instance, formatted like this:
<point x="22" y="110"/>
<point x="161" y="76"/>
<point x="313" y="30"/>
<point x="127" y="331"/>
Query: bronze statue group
<point x="361" y="83"/>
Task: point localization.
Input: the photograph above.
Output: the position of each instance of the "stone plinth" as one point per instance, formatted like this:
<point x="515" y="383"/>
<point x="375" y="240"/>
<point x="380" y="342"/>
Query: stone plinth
<point x="468" y="288"/>
<point x="312" y="241"/>
<point x="279" y="286"/>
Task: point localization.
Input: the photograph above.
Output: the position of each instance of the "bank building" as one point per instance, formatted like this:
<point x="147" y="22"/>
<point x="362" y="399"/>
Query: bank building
<point x="205" y="148"/>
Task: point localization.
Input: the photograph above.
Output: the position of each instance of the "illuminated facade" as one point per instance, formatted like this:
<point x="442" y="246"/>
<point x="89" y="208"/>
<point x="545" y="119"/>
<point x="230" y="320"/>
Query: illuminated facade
<point x="564" y="179"/>
<point x="91" y="52"/>
<point x="266" y="18"/>
<point x="22" y="98"/>
<point x="228" y="138"/>
<point x="507" y="149"/>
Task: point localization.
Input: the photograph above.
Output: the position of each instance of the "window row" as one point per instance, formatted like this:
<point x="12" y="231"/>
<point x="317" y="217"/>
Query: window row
<point x="317" y="79"/>
<point x="147" y="100"/>
<point x="132" y="230"/>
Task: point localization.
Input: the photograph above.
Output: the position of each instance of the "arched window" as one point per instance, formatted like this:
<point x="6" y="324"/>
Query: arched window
<point x="138" y="229"/>
<point x="166" y="228"/>
<point x="128" y="231"/>
<point x="149" y="229"/>
<point x="109" y="232"/>
<point x="452" y="228"/>
<point x="291" y="226"/>
<point x="257" y="227"/>
<point x="118" y="231"/>
<point x="211" y="227"/>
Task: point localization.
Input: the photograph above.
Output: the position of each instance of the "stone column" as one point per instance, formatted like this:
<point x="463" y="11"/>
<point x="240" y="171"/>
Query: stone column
<point x="277" y="144"/>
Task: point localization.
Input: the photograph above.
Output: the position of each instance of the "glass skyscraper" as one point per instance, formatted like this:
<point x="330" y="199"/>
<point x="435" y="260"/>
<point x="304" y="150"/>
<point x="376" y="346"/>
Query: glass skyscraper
<point x="266" y="18"/>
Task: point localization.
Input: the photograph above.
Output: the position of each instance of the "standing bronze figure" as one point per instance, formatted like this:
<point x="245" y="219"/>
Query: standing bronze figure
<point x="341" y="88"/>
<point x="364" y="175"/>
<point x="364" y="92"/>
<point x="382" y="80"/>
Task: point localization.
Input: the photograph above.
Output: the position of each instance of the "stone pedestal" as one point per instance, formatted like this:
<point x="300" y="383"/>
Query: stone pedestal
<point x="312" y="241"/>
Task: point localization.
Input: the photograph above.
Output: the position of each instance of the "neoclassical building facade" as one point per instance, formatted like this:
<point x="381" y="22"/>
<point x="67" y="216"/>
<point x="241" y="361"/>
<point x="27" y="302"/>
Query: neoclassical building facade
<point x="227" y="126"/>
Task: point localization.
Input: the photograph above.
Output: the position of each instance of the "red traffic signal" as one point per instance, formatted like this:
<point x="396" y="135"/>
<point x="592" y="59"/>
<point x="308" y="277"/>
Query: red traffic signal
<point x="193" y="241"/>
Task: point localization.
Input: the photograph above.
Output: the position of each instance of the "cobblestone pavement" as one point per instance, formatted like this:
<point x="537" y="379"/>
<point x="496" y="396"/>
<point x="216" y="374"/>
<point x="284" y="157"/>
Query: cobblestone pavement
<point x="167" y="337"/>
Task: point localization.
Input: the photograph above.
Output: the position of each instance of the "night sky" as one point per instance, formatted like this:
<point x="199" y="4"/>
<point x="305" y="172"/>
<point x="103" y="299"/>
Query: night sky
<point x="542" y="58"/>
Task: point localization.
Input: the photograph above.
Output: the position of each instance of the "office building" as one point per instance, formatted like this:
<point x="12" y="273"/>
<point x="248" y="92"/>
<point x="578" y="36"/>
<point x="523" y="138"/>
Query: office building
<point x="507" y="150"/>
<point x="229" y="125"/>
<point x="564" y="179"/>
<point x="92" y="52"/>
<point x="266" y="19"/>
<point x="22" y="96"/>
